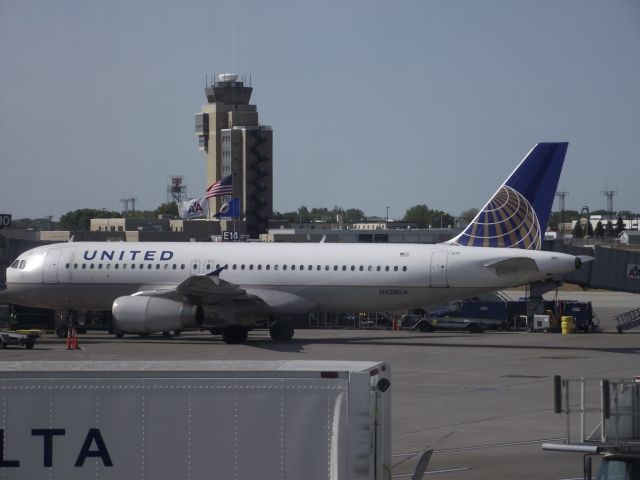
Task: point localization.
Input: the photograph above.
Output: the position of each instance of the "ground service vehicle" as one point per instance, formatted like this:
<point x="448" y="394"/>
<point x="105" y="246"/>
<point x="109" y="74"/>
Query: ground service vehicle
<point x="27" y="340"/>
<point x="610" y="434"/>
<point x="196" y="420"/>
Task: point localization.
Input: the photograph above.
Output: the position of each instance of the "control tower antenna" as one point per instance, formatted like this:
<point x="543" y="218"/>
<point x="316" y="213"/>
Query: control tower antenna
<point x="125" y="205"/>
<point x="609" y="194"/>
<point x="176" y="189"/>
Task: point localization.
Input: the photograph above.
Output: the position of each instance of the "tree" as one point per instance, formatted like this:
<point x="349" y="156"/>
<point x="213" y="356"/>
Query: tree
<point x="619" y="226"/>
<point x="303" y="215"/>
<point x="599" y="231"/>
<point x="170" y="209"/>
<point x="439" y="219"/>
<point x="609" y="231"/>
<point x="557" y="217"/>
<point x="80" y="220"/>
<point x="467" y="215"/>
<point x="589" y="228"/>
<point x="417" y="214"/>
<point x="352" y="215"/>
<point x="577" y="230"/>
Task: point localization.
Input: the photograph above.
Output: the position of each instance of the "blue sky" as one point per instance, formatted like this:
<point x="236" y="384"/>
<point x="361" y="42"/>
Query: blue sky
<point x="373" y="103"/>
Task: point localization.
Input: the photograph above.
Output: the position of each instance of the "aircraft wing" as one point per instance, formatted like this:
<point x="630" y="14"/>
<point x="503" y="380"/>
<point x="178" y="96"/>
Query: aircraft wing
<point x="204" y="290"/>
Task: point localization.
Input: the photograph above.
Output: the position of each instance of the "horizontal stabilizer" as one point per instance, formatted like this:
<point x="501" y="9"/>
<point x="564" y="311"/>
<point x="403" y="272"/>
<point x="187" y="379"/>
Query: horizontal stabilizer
<point x="511" y="264"/>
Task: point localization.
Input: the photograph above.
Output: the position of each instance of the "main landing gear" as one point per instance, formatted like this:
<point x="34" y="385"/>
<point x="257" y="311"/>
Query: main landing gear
<point x="235" y="334"/>
<point x="281" y="331"/>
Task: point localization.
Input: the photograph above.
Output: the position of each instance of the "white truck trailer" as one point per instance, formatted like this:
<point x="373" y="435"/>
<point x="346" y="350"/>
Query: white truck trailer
<point x="195" y="420"/>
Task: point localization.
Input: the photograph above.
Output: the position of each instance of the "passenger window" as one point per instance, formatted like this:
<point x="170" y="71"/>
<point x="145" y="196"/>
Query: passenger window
<point x="319" y="267"/>
<point x="268" y="267"/>
<point x="395" y="269"/>
<point x="157" y="266"/>
<point x="124" y="266"/>
<point x="235" y="266"/>
<point x="149" y="267"/>
<point x="116" y="266"/>
<point x="326" y="267"/>
<point x="67" y="265"/>
<point x="378" y="268"/>
<point x="335" y="268"/>
<point x="208" y="267"/>
<point x="370" y="268"/>
<point x="84" y="265"/>
<point x="166" y="266"/>
<point x="75" y="265"/>
<point x="242" y="267"/>
<point x="259" y="267"/>
<point x="182" y="266"/>
<point x="386" y="269"/>
<point x="353" y="268"/>
<point x="217" y="266"/>
<point x="404" y="269"/>
<point x="275" y="267"/>
<point x="91" y="266"/>
<point x="361" y="268"/>
<point x="344" y="268"/>
<point x="133" y="266"/>
<point x="99" y="266"/>
<point x="251" y="267"/>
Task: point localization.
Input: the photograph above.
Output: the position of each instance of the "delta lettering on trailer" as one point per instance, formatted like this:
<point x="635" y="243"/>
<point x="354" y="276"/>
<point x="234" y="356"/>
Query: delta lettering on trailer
<point x="93" y="446"/>
<point x="633" y="271"/>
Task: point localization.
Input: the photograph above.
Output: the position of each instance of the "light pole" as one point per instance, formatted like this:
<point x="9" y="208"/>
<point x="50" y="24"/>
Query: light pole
<point x="387" y="214"/>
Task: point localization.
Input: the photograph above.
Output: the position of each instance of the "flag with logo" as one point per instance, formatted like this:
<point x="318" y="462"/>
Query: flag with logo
<point x="230" y="209"/>
<point x="224" y="186"/>
<point x="196" y="208"/>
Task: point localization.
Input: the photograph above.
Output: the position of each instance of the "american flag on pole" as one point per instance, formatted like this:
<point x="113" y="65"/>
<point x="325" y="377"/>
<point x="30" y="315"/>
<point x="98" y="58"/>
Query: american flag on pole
<point x="221" y="187"/>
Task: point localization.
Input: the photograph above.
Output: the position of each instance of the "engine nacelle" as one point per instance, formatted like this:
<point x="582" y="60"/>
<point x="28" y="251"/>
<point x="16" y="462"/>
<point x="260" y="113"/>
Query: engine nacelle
<point x="141" y="314"/>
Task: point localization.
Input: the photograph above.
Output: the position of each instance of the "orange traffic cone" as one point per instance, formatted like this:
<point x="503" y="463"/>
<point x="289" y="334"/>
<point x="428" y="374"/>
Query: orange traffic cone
<point x="69" y="338"/>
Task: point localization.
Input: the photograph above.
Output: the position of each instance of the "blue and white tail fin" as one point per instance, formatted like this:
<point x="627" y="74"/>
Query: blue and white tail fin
<point x="517" y="214"/>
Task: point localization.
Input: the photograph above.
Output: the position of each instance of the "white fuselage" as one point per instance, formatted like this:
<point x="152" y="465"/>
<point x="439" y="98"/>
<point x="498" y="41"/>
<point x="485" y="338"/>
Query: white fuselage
<point x="290" y="278"/>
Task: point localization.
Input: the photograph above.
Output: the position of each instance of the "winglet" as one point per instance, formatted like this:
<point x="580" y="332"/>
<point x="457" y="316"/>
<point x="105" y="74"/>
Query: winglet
<point x="517" y="214"/>
<point x="217" y="271"/>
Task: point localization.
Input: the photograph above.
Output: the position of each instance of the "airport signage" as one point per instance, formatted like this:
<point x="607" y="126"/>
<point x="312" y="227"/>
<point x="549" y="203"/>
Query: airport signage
<point x="633" y="271"/>
<point x="5" y="220"/>
<point x="230" y="236"/>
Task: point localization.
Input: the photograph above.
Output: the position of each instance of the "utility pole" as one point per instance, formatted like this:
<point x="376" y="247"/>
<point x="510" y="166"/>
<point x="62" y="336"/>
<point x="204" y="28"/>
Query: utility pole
<point x="561" y="196"/>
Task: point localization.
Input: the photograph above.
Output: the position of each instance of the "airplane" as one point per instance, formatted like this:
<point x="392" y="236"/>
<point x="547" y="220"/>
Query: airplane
<point x="160" y="286"/>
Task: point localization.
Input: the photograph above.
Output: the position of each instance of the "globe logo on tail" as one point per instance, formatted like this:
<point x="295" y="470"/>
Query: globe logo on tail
<point x="508" y="220"/>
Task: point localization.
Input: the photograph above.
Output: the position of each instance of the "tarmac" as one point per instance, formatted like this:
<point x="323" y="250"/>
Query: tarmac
<point x="483" y="402"/>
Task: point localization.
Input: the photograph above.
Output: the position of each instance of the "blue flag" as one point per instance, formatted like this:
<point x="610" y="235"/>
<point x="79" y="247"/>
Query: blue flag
<point x="230" y="209"/>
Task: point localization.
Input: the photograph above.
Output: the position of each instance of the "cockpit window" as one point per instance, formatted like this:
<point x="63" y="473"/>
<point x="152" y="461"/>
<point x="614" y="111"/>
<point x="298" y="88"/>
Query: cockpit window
<point x="23" y="263"/>
<point x="15" y="264"/>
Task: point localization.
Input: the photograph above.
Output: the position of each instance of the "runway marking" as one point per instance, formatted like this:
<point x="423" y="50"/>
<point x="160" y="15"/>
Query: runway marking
<point x="479" y="447"/>
<point x="435" y="472"/>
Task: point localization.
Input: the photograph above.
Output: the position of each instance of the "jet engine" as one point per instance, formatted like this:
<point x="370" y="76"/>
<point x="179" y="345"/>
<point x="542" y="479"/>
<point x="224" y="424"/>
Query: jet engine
<point x="141" y="314"/>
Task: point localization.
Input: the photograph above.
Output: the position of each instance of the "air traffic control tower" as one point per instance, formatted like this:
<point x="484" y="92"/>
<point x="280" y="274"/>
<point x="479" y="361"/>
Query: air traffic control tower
<point x="236" y="144"/>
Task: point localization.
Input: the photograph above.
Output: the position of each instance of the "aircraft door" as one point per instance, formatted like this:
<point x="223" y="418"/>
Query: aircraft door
<point x="439" y="269"/>
<point x="50" y="270"/>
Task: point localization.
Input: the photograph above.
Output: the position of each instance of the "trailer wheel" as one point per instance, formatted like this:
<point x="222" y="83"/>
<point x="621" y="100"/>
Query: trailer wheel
<point x="425" y="327"/>
<point x="474" y="328"/>
<point x="29" y="345"/>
